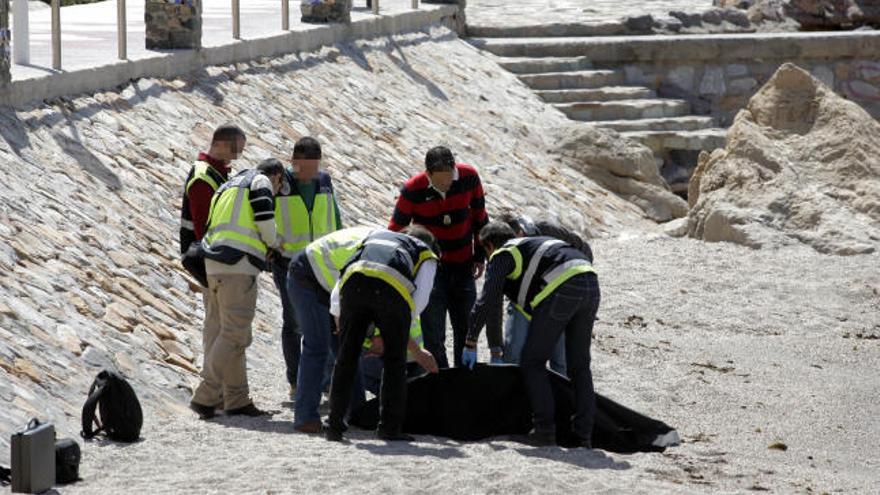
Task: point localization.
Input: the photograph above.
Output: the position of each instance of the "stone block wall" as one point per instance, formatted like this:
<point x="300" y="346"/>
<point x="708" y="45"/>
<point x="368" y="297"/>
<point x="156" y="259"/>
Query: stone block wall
<point x="718" y="74"/>
<point x="721" y="90"/>
<point x="320" y="11"/>
<point x="173" y="24"/>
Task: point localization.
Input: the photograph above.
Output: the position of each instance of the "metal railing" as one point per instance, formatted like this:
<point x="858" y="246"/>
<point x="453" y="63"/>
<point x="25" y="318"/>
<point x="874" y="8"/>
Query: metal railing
<point x="121" y="31"/>
<point x="236" y="20"/>
<point x="21" y="31"/>
<point x="56" y="34"/>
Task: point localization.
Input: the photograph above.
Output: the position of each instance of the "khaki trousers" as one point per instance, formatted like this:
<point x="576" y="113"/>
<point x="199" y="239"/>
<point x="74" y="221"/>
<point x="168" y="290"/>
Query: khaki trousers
<point x="230" y="306"/>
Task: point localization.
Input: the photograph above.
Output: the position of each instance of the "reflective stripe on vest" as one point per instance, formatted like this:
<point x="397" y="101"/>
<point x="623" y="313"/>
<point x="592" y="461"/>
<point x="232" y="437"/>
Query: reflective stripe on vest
<point x="387" y="274"/>
<point x="204" y="172"/>
<point x="329" y="254"/>
<point x="555" y="277"/>
<point x="297" y="227"/>
<point x="231" y="222"/>
<point x="529" y="275"/>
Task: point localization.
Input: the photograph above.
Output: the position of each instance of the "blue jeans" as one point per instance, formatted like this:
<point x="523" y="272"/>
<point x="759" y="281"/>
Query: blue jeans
<point x="516" y="329"/>
<point x="290" y="335"/>
<point x="317" y="343"/>
<point x="454" y="292"/>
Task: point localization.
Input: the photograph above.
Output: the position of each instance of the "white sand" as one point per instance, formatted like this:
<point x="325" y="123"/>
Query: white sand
<point x="736" y="348"/>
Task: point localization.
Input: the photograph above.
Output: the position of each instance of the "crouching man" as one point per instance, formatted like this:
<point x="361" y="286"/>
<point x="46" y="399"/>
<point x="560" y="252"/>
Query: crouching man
<point x="387" y="283"/>
<point x="555" y="285"/>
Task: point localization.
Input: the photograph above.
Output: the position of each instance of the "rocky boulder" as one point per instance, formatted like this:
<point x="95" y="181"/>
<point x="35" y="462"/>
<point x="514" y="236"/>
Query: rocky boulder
<point x="621" y="165"/>
<point x="801" y="165"/>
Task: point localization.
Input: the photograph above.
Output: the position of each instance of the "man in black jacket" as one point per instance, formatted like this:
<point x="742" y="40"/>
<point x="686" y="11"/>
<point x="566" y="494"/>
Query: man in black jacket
<point x="516" y="326"/>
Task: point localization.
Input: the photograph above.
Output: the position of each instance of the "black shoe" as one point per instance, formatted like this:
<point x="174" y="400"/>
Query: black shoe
<point x="204" y="412"/>
<point x="394" y="437"/>
<point x="539" y="438"/>
<point x="248" y="410"/>
<point x="333" y="435"/>
<point x="340" y="428"/>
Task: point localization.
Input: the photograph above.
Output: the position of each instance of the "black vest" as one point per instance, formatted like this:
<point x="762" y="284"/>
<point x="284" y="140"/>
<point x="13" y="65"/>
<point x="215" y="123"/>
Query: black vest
<point x="394" y="250"/>
<point x="187" y="231"/>
<point x="552" y="255"/>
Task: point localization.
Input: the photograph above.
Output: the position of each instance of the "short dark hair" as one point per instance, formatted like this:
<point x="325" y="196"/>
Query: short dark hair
<point x="307" y="148"/>
<point x="270" y="167"/>
<point x="511" y="220"/>
<point x="439" y="159"/>
<point x="424" y="235"/>
<point x="497" y="233"/>
<point x="227" y="133"/>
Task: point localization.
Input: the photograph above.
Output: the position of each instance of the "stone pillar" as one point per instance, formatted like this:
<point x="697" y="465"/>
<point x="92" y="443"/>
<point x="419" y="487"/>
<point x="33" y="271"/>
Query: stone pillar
<point x="459" y="23"/>
<point x="173" y="24"/>
<point x="320" y="11"/>
<point x="5" y="46"/>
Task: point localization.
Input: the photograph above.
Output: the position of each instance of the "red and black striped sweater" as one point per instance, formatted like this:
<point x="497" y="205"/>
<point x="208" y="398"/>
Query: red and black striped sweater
<point x="455" y="220"/>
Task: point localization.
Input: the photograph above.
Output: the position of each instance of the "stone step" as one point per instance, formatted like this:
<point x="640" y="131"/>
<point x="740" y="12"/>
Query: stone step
<point x="659" y="141"/>
<point x="590" y="111"/>
<point x="531" y="65"/>
<point x="684" y="123"/>
<point x="607" y="93"/>
<point x="549" y="30"/>
<point x="573" y="80"/>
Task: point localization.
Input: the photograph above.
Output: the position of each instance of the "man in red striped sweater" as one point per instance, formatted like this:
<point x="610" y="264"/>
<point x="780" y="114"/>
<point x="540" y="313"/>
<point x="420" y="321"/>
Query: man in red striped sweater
<point x="447" y="198"/>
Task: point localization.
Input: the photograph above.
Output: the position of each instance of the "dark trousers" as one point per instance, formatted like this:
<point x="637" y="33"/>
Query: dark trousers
<point x="570" y="309"/>
<point x="455" y="293"/>
<point x="291" y="338"/>
<point x="364" y="301"/>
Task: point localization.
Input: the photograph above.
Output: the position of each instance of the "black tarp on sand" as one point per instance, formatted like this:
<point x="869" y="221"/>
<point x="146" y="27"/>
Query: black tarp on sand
<point x="491" y="401"/>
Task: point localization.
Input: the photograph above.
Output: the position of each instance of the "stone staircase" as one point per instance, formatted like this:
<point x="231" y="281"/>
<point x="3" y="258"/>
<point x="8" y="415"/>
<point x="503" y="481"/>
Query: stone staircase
<point x="602" y="96"/>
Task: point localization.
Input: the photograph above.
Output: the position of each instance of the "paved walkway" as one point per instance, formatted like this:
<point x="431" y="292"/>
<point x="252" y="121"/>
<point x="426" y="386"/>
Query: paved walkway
<point x="88" y="32"/>
<point x="510" y="13"/>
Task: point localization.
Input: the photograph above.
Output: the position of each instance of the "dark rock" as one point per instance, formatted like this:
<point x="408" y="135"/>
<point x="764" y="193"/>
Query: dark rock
<point x="640" y="24"/>
<point x="687" y="20"/>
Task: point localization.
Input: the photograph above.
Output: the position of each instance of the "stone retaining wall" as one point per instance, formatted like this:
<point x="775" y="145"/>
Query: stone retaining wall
<point x="719" y="74"/>
<point x="172" y="25"/>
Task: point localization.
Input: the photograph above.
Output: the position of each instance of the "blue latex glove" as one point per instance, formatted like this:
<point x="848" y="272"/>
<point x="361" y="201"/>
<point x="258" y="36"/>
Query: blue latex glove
<point x="469" y="357"/>
<point x="497" y="354"/>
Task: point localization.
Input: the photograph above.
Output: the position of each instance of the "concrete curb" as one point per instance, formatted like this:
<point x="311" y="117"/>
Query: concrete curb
<point x="176" y="63"/>
<point x="716" y="47"/>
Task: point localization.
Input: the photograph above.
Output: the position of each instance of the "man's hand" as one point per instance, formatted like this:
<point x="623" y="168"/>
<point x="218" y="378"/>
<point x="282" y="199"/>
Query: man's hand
<point x="479" y="268"/>
<point x="426" y="360"/>
<point x="377" y="346"/>
<point x="469" y="356"/>
<point x="497" y="355"/>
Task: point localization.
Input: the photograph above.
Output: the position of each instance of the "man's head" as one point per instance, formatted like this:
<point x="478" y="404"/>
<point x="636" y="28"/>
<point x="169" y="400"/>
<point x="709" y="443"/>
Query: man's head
<point x="306" y="158"/>
<point x="494" y="235"/>
<point x="512" y="221"/>
<point x="440" y="165"/>
<point x="228" y="143"/>
<point x="424" y="235"/>
<point x="274" y="170"/>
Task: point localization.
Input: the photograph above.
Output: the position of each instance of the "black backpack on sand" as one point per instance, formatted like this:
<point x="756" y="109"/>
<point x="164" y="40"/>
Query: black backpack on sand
<point x="121" y="417"/>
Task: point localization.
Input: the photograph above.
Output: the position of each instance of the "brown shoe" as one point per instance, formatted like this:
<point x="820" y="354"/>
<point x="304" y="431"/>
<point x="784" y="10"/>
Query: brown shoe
<point x="310" y="427"/>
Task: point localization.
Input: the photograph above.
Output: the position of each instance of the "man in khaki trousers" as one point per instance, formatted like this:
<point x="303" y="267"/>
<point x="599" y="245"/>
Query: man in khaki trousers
<point x="241" y="233"/>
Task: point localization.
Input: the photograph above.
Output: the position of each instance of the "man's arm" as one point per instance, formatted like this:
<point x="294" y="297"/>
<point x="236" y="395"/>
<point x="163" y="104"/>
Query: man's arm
<point x="263" y="203"/>
<point x="403" y="211"/>
<point x="424" y="285"/>
<point x="199" y="196"/>
<point x="479" y="219"/>
<point x="489" y="305"/>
